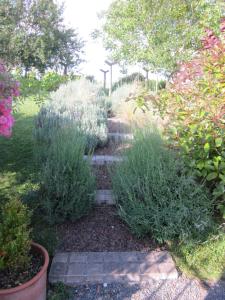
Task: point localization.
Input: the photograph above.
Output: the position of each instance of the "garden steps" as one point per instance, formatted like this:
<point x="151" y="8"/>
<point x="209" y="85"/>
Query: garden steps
<point x="74" y="268"/>
<point x="103" y="159"/>
<point x="117" y="137"/>
<point x="118" y="125"/>
<point x="104" y="197"/>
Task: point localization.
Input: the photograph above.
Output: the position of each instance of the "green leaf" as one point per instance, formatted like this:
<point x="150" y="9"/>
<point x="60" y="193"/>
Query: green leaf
<point x="218" y="142"/>
<point x="206" y="147"/>
<point x="211" y="176"/>
<point x="222" y="177"/>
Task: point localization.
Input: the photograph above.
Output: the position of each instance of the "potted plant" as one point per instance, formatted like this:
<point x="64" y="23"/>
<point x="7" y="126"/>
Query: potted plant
<point x="23" y="264"/>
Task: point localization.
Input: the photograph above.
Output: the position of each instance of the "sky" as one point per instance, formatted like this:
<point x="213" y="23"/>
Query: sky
<point x="82" y="15"/>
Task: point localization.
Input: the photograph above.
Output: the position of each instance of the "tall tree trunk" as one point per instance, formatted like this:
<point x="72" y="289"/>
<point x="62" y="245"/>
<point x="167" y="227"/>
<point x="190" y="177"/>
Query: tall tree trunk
<point x="65" y="71"/>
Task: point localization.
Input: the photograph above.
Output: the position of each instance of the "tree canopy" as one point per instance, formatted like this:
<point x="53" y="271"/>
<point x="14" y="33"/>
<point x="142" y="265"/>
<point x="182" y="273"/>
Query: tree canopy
<point x="33" y="35"/>
<point x="158" y="33"/>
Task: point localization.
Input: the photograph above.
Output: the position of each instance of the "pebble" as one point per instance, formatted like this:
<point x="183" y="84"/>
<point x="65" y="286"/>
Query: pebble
<point x="183" y="289"/>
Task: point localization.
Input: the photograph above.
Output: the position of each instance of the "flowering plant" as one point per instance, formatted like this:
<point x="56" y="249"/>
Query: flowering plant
<point x="9" y="88"/>
<point x="194" y="104"/>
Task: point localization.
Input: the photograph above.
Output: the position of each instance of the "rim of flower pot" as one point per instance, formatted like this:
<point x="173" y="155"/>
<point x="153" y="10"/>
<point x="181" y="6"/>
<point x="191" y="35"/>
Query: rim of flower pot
<point x="33" y="280"/>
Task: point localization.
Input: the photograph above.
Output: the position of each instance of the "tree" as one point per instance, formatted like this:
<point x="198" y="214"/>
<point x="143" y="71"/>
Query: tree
<point x="69" y="49"/>
<point x="33" y="35"/>
<point x="158" y="33"/>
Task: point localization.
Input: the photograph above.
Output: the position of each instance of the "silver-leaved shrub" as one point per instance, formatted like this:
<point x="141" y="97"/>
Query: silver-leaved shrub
<point x="77" y="104"/>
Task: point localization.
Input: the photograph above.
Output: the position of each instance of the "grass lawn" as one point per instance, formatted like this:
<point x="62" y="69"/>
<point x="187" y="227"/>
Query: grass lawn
<point x="205" y="261"/>
<point x="17" y="168"/>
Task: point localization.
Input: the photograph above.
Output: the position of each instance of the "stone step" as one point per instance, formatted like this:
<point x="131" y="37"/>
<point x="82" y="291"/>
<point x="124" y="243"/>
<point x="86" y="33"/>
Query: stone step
<point x="104" y="197"/>
<point x="116" y="124"/>
<point x="105" y="267"/>
<point x="120" y="137"/>
<point x="103" y="159"/>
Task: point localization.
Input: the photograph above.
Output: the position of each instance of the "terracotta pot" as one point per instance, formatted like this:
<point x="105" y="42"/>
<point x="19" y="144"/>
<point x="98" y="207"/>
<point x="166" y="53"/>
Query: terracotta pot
<point x="34" y="289"/>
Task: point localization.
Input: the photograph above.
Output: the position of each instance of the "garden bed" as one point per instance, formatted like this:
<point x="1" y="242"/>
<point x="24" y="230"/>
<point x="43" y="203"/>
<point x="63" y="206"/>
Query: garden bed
<point x="101" y="230"/>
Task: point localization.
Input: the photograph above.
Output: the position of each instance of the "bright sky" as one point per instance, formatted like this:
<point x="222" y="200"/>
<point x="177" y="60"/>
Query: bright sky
<point x="82" y="14"/>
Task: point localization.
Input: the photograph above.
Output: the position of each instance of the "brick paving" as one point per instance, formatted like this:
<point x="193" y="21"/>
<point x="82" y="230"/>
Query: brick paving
<point x="104" y="159"/>
<point x="120" y="137"/>
<point x="104" y="197"/>
<point x="106" y="267"/>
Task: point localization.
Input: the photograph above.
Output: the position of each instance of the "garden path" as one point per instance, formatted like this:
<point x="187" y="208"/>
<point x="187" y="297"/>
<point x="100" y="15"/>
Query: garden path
<point x="104" y="261"/>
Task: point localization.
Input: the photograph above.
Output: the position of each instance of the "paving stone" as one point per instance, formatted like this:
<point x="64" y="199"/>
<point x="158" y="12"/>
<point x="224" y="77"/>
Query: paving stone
<point x="61" y="257"/>
<point x="94" y="268"/>
<point x="104" y="159"/>
<point x="121" y="268"/>
<point x="113" y="266"/>
<point x="78" y="257"/>
<point x="112" y="257"/>
<point x="120" y="137"/>
<point x="58" y="269"/>
<point x="104" y="197"/>
<point x="131" y="256"/>
<point x="77" y="269"/>
<point x="95" y="257"/>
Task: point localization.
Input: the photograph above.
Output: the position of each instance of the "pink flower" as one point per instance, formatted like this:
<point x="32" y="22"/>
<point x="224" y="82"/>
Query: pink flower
<point x="3" y="120"/>
<point x="222" y="25"/>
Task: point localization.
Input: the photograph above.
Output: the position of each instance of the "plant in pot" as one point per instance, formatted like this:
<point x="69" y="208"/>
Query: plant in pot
<point x="23" y="264"/>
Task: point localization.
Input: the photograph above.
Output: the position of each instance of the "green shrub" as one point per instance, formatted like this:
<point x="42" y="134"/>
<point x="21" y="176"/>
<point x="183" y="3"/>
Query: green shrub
<point x="129" y="79"/>
<point x="194" y="108"/>
<point x="59" y="291"/>
<point x="38" y="89"/>
<point x="42" y="232"/>
<point x="67" y="184"/>
<point x="153" y="85"/>
<point x="155" y="195"/>
<point x="14" y="235"/>
<point x="51" y="81"/>
<point x="77" y="104"/>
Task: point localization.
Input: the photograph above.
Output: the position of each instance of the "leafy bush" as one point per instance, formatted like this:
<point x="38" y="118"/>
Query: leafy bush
<point x="59" y="291"/>
<point x="153" y="85"/>
<point x="155" y="195"/>
<point x="118" y="99"/>
<point x="195" y="108"/>
<point x="42" y="232"/>
<point x="14" y="235"/>
<point x="67" y="184"/>
<point x="129" y="104"/>
<point x="37" y="89"/>
<point x="51" y="81"/>
<point x="129" y="79"/>
<point x="77" y="104"/>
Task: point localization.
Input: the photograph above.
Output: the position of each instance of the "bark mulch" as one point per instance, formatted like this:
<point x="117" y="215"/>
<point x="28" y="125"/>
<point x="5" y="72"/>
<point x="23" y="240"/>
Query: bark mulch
<point x="103" y="178"/>
<point x="112" y="148"/>
<point x="101" y="230"/>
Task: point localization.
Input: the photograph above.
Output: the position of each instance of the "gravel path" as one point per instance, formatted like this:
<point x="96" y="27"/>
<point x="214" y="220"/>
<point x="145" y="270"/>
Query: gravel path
<point x="181" y="289"/>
